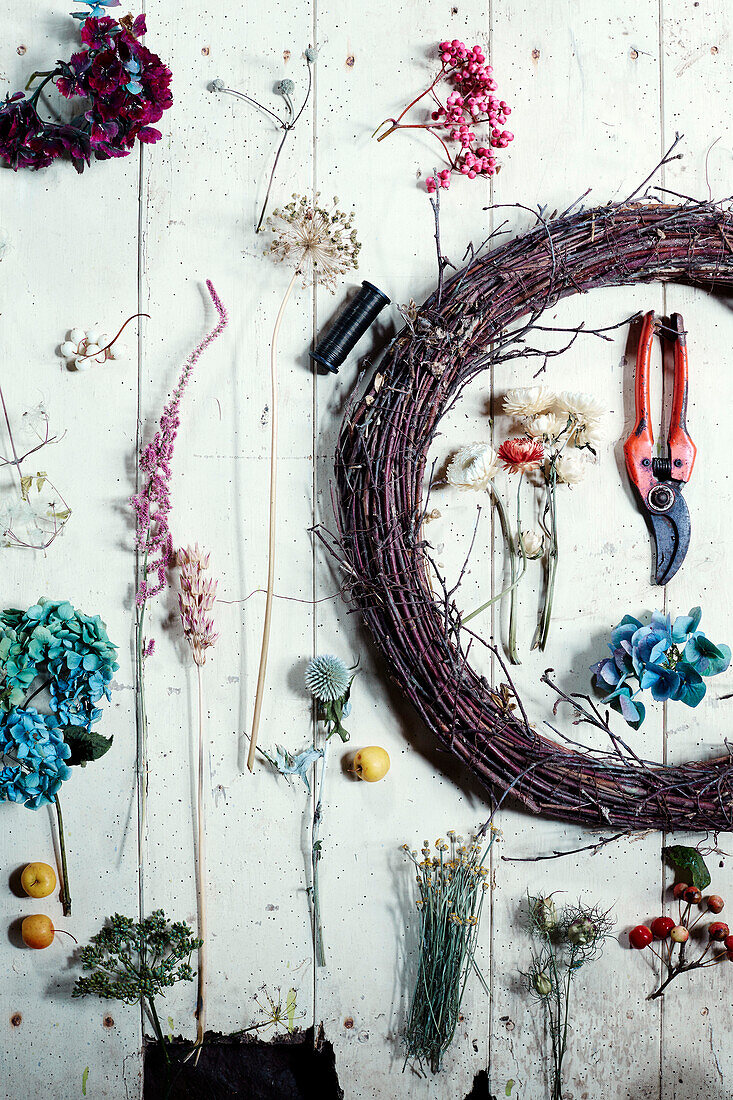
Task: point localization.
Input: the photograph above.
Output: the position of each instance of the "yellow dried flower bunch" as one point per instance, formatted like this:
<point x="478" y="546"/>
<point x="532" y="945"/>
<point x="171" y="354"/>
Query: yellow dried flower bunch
<point x="452" y="882"/>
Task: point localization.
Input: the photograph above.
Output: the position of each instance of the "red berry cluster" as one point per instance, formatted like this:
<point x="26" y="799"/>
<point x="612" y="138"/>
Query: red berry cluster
<point x="677" y="933"/>
<point x="471" y="104"/>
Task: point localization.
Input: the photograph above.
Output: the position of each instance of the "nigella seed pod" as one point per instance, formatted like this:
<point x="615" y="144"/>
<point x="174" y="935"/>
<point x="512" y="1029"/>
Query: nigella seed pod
<point x="545" y="914"/>
<point x="543" y="985"/>
<point x="349" y="327"/>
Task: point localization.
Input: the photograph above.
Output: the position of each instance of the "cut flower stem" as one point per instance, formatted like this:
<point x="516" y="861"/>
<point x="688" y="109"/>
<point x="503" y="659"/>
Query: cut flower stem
<point x="65" y="889"/>
<point x="265" y="648"/>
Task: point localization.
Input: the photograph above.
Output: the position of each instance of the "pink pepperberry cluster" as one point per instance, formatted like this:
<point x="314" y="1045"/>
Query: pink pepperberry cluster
<point x="471" y="104"/>
<point x="440" y="179"/>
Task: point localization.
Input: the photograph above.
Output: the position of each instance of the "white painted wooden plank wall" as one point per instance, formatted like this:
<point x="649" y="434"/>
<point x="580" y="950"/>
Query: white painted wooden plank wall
<point x="598" y="91"/>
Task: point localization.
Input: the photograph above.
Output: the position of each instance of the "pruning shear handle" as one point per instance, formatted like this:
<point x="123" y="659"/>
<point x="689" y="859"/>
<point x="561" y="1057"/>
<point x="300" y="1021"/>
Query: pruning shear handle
<point x="659" y="480"/>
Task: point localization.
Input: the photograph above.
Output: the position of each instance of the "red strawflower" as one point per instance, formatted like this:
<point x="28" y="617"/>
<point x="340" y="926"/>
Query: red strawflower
<point x="521" y="455"/>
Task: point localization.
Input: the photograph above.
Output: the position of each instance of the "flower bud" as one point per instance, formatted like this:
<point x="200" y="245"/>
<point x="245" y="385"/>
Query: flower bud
<point x="545" y="914"/>
<point x="543" y="984"/>
<point x="533" y="544"/>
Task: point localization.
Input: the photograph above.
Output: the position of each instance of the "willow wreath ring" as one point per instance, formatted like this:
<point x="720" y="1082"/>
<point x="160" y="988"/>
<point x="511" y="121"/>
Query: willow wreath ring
<point x="471" y="323"/>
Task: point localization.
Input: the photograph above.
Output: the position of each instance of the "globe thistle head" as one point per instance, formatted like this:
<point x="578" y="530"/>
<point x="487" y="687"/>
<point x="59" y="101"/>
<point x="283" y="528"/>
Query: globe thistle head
<point x="327" y="678"/>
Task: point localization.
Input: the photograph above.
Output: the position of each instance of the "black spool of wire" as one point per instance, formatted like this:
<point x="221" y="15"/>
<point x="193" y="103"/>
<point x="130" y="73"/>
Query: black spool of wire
<point x="349" y="328"/>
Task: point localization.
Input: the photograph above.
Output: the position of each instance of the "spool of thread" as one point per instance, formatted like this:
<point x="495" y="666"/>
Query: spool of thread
<point x="349" y="327"/>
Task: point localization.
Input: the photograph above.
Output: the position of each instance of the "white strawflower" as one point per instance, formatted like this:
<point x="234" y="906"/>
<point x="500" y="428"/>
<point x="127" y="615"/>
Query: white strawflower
<point x="547" y="426"/>
<point x="589" y="434"/>
<point x="473" y="467"/>
<point x="529" y="401"/>
<point x="571" y="468"/>
<point x="583" y="406"/>
<point x="533" y="543"/>
<point x="584" y="413"/>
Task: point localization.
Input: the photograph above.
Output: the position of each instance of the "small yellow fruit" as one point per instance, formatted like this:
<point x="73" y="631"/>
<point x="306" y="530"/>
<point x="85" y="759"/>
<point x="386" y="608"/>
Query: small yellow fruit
<point x="38" y="880"/>
<point x="37" y="931"/>
<point x="371" y="763"/>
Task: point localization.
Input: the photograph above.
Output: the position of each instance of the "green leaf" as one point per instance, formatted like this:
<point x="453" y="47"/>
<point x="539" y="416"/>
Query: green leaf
<point x="85" y="745"/>
<point x="290" y="1004"/>
<point x="25" y="485"/>
<point x="690" y="863"/>
<point x="84" y="1079"/>
<point x="509" y="1087"/>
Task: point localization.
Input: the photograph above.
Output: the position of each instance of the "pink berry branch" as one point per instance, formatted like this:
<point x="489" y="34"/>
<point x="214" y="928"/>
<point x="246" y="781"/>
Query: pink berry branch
<point x="469" y="106"/>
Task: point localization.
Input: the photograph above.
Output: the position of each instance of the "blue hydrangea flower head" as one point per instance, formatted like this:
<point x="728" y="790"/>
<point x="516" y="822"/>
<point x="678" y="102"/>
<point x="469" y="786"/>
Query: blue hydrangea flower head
<point x="64" y="646"/>
<point x="667" y="658"/>
<point x="33" y="757"/>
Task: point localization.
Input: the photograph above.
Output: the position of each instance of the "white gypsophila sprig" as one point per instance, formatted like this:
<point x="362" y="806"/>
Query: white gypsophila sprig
<point x="527" y="401"/>
<point x="473" y="467"/>
<point x="320" y="243"/>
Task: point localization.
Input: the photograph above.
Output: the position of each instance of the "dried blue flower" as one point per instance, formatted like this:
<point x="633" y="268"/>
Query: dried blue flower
<point x="327" y="678"/>
<point x="667" y="658"/>
<point x="64" y="646"/>
<point x="33" y="754"/>
<point x="299" y="764"/>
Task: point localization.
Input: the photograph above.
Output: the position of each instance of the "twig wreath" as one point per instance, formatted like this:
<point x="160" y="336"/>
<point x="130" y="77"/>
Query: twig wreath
<point x="480" y="317"/>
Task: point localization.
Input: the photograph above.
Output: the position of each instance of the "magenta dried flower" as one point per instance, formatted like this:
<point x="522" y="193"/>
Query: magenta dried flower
<point x="125" y="88"/>
<point x="152" y="504"/>
<point x="196" y="600"/>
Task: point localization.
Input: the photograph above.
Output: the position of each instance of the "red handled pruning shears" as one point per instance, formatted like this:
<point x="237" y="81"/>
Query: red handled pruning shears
<point x="659" y="481"/>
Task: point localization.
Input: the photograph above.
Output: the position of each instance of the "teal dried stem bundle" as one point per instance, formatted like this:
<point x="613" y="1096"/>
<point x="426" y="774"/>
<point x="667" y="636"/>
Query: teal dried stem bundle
<point x="565" y="941"/>
<point x="452" y="885"/>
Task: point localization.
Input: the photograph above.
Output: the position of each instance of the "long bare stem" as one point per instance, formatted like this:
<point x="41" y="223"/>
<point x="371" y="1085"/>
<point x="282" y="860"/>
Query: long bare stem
<point x="65" y="891"/>
<point x="272" y="533"/>
<point x="201" y="874"/>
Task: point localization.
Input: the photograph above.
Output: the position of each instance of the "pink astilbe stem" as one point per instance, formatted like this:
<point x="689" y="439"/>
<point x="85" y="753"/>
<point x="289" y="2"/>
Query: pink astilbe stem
<point x="152" y="504"/>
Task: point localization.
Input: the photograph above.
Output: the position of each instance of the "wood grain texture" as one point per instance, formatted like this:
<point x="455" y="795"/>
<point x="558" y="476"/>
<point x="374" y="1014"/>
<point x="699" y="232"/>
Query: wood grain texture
<point x="598" y="92"/>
